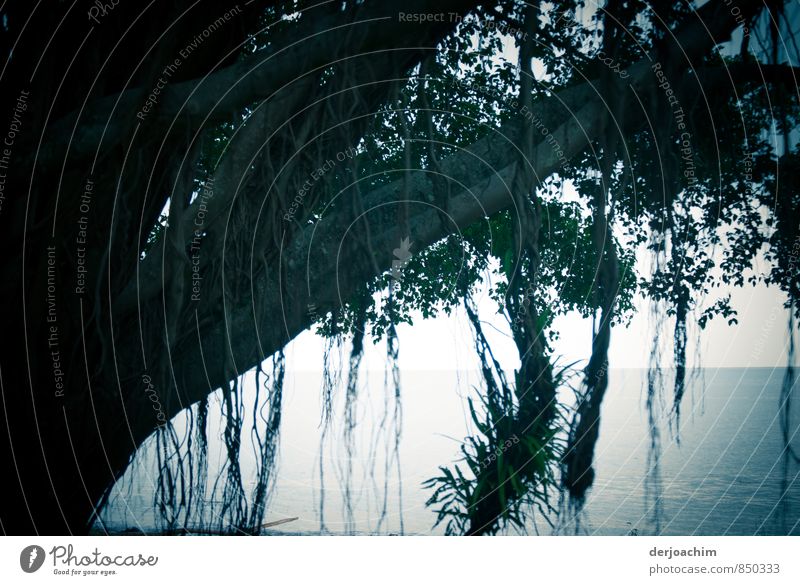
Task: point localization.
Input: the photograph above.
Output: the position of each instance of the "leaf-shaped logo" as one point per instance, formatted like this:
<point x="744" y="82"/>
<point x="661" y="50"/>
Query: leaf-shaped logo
<point x="31" y="558"/>
<point x="403" y="253"/>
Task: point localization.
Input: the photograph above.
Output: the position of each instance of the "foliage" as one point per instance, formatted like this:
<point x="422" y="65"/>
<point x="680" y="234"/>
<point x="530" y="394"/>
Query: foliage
<point x="678" y="222"/>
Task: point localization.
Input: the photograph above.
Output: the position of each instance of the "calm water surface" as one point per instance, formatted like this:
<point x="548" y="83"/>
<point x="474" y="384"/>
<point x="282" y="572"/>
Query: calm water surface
<point x="722" y="473"/>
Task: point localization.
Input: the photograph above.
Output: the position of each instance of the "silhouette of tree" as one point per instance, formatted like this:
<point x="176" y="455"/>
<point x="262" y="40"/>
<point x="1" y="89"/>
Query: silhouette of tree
<point x="187" y="186"/>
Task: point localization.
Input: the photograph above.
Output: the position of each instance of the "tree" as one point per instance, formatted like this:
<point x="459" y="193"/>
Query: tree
<point x="180" y="197"/>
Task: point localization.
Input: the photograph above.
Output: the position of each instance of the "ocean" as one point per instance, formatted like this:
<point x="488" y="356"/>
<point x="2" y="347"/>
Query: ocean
<point x="721" y="472"/>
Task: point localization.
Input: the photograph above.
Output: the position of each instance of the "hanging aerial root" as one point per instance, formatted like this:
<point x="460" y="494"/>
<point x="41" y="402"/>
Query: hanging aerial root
<point x="578" y="471"/>
<point x="350" y="418"/>
<point x="787" y="390"/>
<point x="331" y="376"/>
<point x="393" y="355"/>
<point x="267" y="443"/>
<point x="233" y="509"/>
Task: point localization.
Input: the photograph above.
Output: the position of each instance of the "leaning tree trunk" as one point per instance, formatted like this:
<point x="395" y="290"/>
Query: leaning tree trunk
<point x="86" y="374"/>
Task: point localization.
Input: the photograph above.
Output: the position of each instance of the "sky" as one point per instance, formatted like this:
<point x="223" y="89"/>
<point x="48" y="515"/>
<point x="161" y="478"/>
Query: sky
<point x="759" y="339"/>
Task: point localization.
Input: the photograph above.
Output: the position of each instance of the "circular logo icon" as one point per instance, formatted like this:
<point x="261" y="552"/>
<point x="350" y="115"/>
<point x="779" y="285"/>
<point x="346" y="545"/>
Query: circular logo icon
<point x="31" y="558"/>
